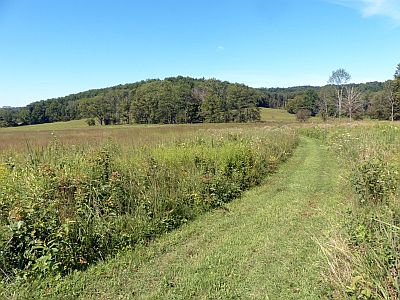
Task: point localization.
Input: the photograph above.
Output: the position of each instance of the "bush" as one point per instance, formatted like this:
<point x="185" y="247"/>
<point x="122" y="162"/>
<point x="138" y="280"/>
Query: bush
<point x="324" y="115"/>
<point x="303" y="115"/>
<point x="91" y="122"/>
<point x="374" y="181"/>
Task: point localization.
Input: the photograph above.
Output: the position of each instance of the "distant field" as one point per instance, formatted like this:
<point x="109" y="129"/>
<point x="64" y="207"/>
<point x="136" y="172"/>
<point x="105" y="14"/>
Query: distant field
<point x="281" y="115"/>
<point x="267" y="114"/>
<point x="77" y="132"/>
<point x="75" y="124"/>
<point x="270" y="114"/>
<point x="154" y="178"/>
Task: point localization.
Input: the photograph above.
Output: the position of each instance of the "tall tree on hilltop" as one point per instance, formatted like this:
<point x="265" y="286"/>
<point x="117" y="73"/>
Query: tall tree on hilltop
<point x="308" y="101"/>
<point x="378" y="107"/>
<point x="339" y="79"/>
<point x="8" y="117"/>
<point x="155" y="102"/>
<point x="124" y="108"/>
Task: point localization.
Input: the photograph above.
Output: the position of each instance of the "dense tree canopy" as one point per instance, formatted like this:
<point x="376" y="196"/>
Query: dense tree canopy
<point x="169" y="101"/>
<point x="306" y="101"/>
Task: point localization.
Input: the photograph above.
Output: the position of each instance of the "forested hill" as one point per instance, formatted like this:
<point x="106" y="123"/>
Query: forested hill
<point x="185" y="100"/>
<point x="168" y="101"/>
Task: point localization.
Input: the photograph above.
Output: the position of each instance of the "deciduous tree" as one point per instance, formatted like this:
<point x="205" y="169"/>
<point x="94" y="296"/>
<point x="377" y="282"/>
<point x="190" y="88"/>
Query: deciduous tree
<point x="339" y="78"/>
<point x="352" y="100"/>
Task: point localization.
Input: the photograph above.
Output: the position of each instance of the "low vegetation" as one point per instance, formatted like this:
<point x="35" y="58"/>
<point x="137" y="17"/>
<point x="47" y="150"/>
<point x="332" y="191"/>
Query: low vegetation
<point x="244" y="250"/>
<point x="66" y="205"/>
<point x="64" y="208"/>
<point x="365" y="259"/>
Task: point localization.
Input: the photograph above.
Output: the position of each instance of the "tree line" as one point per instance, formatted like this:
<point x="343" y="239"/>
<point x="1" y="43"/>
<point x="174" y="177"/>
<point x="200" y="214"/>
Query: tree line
<point x="341" y="98"/>
<point x="169" y="101"/>
<point x="188" y="100"/>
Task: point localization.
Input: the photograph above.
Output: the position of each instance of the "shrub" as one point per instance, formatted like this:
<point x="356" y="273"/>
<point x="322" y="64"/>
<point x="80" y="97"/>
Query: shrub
<point x="303" y="115"/>
<point x="374" y="181"/>
<point x="91" y="122"/>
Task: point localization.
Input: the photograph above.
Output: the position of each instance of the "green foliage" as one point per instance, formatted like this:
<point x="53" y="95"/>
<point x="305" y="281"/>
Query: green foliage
<point x="294" y="104"/>
<point x="397" y="72"/>
<point x="374" y="181"/>
<point x="373" y="235"/>
<point x="7" y="118"/>
<point x="188" y="100"/>
<point x="169" y="101"/>
<point x="309" y="101"/>
<point x="209" y="258"/>
<point x="91" y="122"/>
<point x="370" y="153"/>
<point x="63" y="209"/>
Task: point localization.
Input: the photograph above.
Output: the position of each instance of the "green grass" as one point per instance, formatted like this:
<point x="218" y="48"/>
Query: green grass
<point x="75" y="124"/>
<point x="65" y="208"/>
<point x="267" y="114"/>
<point x="366" y="263"/>
<point x="77" y="132"/>
<point x="262" y="246"/>
<point x="271" y="114"/>
<point x="282" y="116"/>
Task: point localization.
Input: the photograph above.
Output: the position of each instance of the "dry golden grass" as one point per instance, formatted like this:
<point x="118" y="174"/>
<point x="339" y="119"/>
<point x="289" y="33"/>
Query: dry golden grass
<point x="37" y="136"/>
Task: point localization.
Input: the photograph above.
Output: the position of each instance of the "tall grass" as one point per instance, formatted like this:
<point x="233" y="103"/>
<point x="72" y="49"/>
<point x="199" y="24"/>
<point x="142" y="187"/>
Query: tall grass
<point x="19" y="139"/>
<point x="66" y="207"/>
<point x="366" y="263"/>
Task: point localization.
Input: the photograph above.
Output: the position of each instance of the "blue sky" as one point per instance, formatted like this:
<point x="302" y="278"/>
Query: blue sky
<point x="53" y="48"/>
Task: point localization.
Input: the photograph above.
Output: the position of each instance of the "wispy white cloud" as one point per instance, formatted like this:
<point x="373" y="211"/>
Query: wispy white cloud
<point x="369" y="8"/>
<point x="220" y="48"/>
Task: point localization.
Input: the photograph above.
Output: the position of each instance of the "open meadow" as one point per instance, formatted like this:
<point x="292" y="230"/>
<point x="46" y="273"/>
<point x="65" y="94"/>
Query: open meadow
<point x="77" y="132"/>
<point x="77" y="202"/>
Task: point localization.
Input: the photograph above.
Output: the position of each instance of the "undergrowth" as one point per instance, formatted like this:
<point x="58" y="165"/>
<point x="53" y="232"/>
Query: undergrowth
<point x="63" y="208"/>
<point x="365" y="260"/>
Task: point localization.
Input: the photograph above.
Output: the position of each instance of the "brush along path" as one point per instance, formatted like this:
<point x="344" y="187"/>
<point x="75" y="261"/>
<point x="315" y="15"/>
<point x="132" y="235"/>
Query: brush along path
<point x="260" y="247"/>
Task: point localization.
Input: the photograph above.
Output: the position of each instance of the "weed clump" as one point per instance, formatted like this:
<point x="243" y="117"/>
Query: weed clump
<point x="367" y="264"/>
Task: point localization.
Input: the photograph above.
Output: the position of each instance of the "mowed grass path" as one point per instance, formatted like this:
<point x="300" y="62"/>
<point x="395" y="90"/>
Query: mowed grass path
<point x="262" y="246"/>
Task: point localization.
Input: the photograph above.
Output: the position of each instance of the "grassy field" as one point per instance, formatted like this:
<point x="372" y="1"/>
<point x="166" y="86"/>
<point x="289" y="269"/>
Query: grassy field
<point x="64" y="207"/>
<point x="263" y="246"/>
<point x="280" y="115"/>
<point x="77" y="132"/>
<point x="170" y="177"/>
